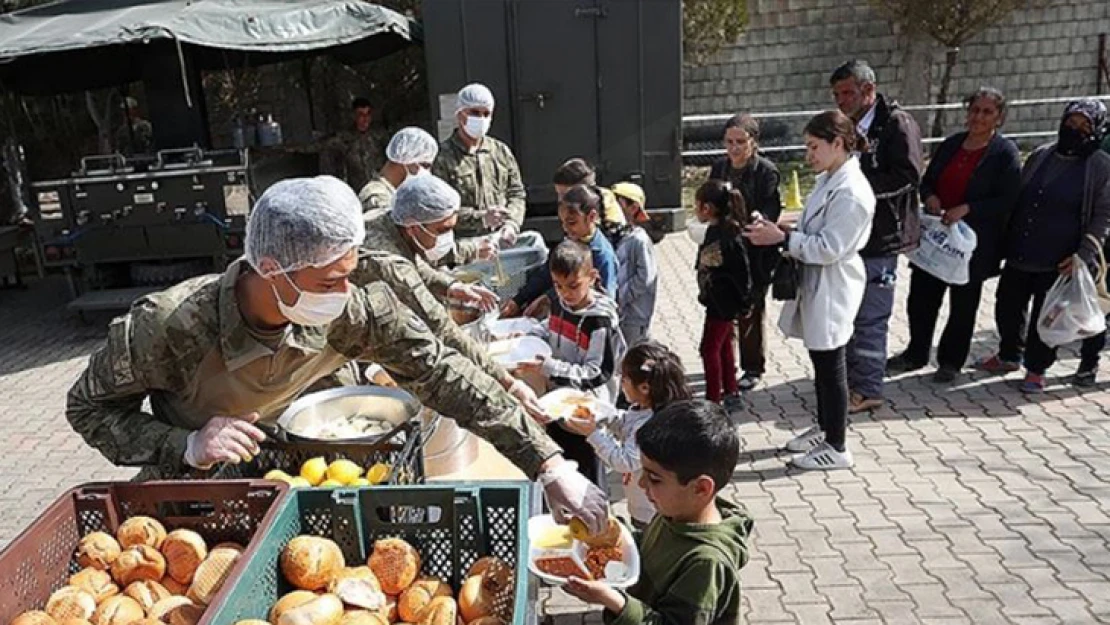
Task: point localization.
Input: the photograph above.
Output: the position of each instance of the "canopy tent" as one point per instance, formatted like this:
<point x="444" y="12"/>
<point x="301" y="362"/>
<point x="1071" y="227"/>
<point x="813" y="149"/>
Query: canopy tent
<point x="71" y="45"/>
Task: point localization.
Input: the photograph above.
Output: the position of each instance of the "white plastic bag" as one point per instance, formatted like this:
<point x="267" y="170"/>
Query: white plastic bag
<point x="1071" y="311"/>
<point x="945" y="251"/>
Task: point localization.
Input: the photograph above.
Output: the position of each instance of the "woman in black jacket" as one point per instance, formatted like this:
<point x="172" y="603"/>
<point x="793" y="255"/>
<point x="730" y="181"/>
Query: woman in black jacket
<point x="975" y="176"/>
<point x="757" y="180"/>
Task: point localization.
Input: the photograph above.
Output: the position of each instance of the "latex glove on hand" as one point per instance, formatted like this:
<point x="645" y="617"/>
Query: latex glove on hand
<point x="376" y="374"/>
<point x="487" y="248"/>
<point x="570" y="495"/>
<point x="494" y="217"/>
<point x="224" y="439"/>
<point x="480" y="296"/>
<point x="529" y="401"/>
<point x="507" y="235"/>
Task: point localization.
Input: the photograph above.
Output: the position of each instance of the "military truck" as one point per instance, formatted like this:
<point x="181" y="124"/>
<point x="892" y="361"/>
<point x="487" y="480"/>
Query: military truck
<point x="598" y="79"/>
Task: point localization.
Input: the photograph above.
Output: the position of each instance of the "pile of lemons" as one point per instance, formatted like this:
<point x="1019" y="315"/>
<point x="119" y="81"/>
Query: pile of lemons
<point x="317" y="472"/>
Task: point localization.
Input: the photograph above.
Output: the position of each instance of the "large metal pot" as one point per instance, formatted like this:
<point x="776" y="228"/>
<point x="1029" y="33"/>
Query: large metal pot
<point x="447" y="447"/>
<point x="390" y="405"/>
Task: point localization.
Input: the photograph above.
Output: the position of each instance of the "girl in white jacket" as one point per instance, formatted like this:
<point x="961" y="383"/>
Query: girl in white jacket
<point x="833" y="228"/>
<point x="651" y="377"/>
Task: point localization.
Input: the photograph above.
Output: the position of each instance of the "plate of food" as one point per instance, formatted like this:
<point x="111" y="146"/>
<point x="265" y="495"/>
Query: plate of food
<point x="554" y="554"/>
<point x="511" y="352"/>
<point x="568" y="404"/>
<point x="510" y="328"/>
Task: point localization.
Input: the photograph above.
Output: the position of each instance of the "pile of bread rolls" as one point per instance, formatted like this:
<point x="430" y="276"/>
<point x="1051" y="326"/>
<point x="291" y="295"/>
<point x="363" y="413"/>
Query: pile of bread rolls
<point x="142" y="575"/>
<point x="388" y="590"/>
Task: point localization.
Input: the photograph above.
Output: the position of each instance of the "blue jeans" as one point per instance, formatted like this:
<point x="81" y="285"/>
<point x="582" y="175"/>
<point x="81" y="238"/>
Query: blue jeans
<point x="867" y="349"/>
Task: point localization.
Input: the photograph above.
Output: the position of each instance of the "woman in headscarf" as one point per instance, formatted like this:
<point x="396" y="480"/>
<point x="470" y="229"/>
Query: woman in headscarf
<point x="1063" y="210"/>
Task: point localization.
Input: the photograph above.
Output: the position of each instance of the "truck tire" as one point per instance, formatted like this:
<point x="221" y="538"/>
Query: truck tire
<point x="157" y="274"/>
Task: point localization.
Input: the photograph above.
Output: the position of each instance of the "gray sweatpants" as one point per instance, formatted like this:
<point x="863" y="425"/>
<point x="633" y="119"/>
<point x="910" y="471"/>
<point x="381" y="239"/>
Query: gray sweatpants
<point x="633" y="332"/>
<point x="867" y="349"/>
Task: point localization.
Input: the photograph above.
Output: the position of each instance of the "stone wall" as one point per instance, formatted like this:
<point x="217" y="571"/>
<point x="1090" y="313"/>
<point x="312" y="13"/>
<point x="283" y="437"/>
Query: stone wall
<point x="783" y="60"/>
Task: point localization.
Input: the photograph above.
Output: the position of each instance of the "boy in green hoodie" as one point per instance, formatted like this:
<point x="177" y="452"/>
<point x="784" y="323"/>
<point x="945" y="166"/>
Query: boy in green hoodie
<point x="692" y="552"/>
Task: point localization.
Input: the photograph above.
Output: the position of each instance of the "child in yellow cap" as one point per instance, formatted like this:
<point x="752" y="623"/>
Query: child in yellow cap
<point x="637" y="277"/>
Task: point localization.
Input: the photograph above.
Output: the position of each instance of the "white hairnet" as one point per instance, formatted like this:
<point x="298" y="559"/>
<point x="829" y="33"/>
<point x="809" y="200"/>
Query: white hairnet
<point x="303" y="222"/>
<point x="422" y="199"/>
<point x="412" y="146"/>
<point x="474" y="95"/>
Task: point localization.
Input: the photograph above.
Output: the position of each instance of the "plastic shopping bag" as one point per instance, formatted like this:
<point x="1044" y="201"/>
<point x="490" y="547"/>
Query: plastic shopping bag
<point x="945" y="251"/>
<point x="1071" y="311"/>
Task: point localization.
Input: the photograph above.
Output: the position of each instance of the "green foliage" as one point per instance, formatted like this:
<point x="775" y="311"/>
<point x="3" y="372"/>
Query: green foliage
<point x="709" y="25"/>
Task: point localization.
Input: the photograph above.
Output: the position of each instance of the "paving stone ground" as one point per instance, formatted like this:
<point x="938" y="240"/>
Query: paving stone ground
<point x="968" y="504"/>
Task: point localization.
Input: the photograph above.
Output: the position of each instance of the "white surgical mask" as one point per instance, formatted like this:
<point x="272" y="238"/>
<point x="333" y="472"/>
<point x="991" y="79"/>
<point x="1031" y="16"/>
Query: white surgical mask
<point x="312" y="309"/>
<point x="477" y="127"/>
<point x="696" y="231"/>
<point x="443" y="246"/>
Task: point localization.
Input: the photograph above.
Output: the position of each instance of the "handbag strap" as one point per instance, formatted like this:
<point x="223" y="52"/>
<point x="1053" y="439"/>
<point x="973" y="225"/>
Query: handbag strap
<point x="1100" y="279"/>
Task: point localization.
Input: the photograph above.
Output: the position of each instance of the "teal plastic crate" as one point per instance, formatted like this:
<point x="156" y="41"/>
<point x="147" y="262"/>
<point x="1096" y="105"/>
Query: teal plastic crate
<point x="451" y="524"/>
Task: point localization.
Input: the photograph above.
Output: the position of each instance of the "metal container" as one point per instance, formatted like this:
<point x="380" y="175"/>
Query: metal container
<point x="391" y="405"/>
<point x="448" y="448"/>
<point x="269" y="132"/>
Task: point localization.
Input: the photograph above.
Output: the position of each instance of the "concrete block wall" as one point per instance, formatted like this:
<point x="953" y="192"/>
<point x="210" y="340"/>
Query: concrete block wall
<point x="783" y="59"/>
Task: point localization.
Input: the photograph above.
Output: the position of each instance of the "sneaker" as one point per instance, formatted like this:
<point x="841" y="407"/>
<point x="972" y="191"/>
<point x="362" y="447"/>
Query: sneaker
<point x="1033" y="384"/>
<point x="1084" y="378"/>
<point x="945" y="375"/>
<point x="749" y="381"/>
<point x="859" y="403"/>
<point x="824" y="458"/>
<point x="996" y="365"/>
<point x="902" y="364"/>
<point x="805" y="441"/>
<point x="732" y="403"/>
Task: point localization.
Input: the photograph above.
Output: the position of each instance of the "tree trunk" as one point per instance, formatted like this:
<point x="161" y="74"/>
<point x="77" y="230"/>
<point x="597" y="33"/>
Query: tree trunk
<point x="917" y="64"/>
<point x="950" y="59"/>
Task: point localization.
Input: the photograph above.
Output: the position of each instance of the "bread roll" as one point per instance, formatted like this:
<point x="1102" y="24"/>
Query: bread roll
<point x="118" y="610"/>
<point x="70" y="602"/>
<point x="141" y="530"/>
<point x="442" y="611"/>
<point x="149" y="621"/>
<point x="184" y="551"/>
<point x="390" y="609"/>
<point x="357" y="587"/>
<point x="95" y="582"/>
<point x="175" y="587"/>
<point x="75" y="621"/>
<point x="363" y="617"/>
<point x="176" y="611"/>
<point x="497" y="574"/>
<point x="317" y="610"/>
<point x="395" y="563"/>
<point x="211" y="574"/>
<point x="418" y="596"/>
<point x="487" y="620"/>
<point x="229" y="545"/>
<point x="475" y="599"/>
<point x="137" y="563"/>
<point x="37" y="617"/>
<point x="147" y="593"/>
<point x="97" y="550"/>
<point x="611" y="537"/>
<point x="311" y="562"/>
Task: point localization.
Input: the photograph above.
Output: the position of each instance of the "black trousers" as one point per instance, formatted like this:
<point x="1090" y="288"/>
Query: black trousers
<point x="749" y="334"/>
<point x="1017" y="324"/>
<point x="1090" y="350"/>
<point x="923" y="306"/>
<point x="830" y="373"/>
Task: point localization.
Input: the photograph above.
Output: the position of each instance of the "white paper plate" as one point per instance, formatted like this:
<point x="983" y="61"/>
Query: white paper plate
<point x="559" y="404"/>
<point x="503" y="328"/>
<point x="511" y="352"/>
<point x="540" y="524"/>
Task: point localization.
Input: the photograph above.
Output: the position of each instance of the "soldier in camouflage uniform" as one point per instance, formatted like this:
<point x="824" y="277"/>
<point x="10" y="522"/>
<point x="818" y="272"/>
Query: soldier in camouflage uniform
<point x="217" y="353"/>
<point x="135" y="135"/>
<point x="410" y="151"/>
<point x="484" y="172"/>
<point x="354" y="155"/>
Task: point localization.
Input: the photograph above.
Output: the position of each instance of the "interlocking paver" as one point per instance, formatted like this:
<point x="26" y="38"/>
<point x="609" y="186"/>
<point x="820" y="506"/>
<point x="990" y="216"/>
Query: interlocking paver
<point x="969" y="504"/>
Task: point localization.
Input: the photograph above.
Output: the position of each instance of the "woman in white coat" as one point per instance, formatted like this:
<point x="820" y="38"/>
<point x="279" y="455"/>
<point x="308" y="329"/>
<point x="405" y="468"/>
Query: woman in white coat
<point x="833" y="228"/>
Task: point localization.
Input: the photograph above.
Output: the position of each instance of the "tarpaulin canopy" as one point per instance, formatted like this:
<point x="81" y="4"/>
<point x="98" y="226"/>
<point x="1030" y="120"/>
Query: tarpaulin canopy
<point x="73" y="44"/>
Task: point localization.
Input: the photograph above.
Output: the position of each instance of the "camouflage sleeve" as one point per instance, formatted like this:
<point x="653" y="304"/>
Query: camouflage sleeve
<point x="470" y="221"/>
<point x="377" y="327"/>
<point x="437" y="281"/>
<point x="466" y="250"/>
<point x="104" y="406"/>
<point x="514" y="195"/>
<point x="411" y="291"/>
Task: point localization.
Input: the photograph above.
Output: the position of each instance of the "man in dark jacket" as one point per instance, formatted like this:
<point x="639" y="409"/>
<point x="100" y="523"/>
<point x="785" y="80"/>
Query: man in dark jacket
<point x="892" y="159"/>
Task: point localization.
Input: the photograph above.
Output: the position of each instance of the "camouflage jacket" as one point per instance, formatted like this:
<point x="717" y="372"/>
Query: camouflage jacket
<point x="486" y="178"/>
<point x="353" y="156"/>
<point x="138" y="140"/>
<point x="189" y="351"/>
<point x="382" y="235"/>
<point x="377" y="195"/>
<point x="401" y="276"/>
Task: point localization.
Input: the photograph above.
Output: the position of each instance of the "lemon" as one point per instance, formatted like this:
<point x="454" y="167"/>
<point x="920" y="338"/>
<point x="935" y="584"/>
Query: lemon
<point x="361" y="481"/>
<point x="330" y="484"/>
<point x="377" y="473"/>
<point x="299" y="482"/>
<point x="278" y="476"/>
<point x="344" y="471"/>
<point x="314" y="470"/>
